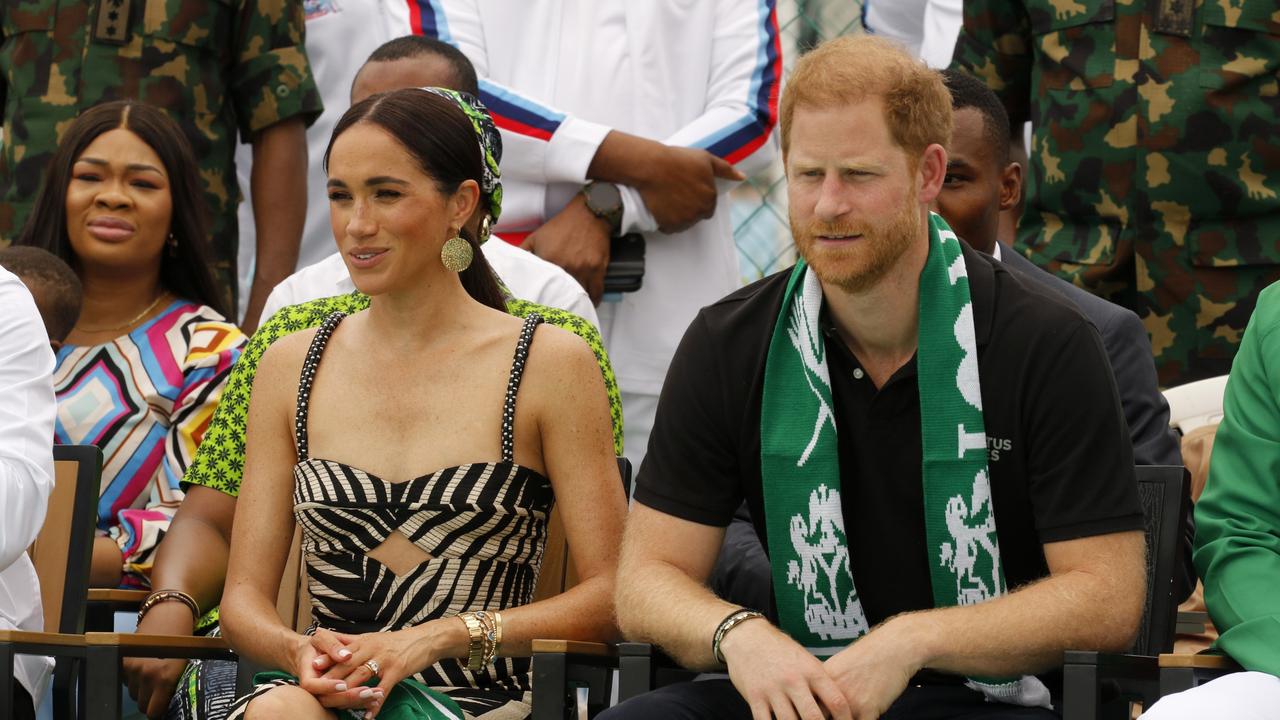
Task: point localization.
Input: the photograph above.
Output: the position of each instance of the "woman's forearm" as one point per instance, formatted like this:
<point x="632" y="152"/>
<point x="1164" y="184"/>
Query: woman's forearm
<point x="193" y="559"/>
<point x="193" y="556"/>
<point x="251" y="625"/>
<point x="584" y="612"/>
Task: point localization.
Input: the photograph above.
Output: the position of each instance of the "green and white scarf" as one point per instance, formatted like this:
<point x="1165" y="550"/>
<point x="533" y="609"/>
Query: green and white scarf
<point x="818" y="605"/>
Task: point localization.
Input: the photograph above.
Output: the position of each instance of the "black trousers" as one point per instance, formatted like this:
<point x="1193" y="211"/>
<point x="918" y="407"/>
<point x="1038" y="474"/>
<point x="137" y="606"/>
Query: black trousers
<point x="23" y="706"/>
<point x="719" y="700"/>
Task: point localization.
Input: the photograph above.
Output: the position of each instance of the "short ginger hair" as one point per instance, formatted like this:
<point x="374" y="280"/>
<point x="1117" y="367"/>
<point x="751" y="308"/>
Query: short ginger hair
<point x="852" y="68"/>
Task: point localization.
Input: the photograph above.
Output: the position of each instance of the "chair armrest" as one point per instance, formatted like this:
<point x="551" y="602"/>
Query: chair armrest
<point x="1192" y="622"/>
<point x="1112" y="661"/>
<point x="26" y="637"/>
<point x="123" y="599"/>
<point x="575" y="647"/>
<point x="1203" y="661"/>
<point x="163" y="646"/>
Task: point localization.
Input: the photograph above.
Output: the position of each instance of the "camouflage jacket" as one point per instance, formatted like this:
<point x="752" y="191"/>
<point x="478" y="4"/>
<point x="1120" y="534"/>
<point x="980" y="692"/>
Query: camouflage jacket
<point x="217" y="66"/>
<point x="1157" y="124"/>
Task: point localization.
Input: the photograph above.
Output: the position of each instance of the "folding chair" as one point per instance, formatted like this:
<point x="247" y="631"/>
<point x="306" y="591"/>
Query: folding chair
<point x="61" y="554"/>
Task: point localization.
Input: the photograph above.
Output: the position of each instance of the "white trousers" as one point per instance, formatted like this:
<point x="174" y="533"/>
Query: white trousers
<point x="1239" y="696"/>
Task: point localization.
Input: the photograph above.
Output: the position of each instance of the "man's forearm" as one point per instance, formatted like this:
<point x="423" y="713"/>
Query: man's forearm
<point x="278" y="186"/>
<point x="1027" y="630"/>
<point x="621" y="157"/>
<point x="657" y="602"/>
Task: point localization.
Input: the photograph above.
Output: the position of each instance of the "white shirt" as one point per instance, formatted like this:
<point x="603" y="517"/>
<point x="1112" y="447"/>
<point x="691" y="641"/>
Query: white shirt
<point x="27" y="409"/>
<point x="559" y="74"/>
<point x="528" y="276"/>
<point x="927" y="28"/>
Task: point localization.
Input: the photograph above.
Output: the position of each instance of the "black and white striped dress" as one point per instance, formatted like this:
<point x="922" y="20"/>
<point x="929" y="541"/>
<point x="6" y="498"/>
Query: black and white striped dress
<point x="483" y="524"/>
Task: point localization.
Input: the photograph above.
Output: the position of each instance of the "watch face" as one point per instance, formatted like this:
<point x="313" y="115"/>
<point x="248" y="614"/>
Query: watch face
<point x="604" y="197"/>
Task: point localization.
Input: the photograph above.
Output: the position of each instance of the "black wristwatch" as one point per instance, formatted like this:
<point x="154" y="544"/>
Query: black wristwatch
<point x="605" y="202"/>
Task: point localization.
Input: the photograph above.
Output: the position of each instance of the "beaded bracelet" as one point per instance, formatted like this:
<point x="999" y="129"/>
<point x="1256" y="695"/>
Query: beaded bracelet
<point x="733" y="620"/>
<point x="159" y="596"/>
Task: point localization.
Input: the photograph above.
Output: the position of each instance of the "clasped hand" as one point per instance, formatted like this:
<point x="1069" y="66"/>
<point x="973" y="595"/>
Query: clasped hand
<point x="332" y="666"/>
<point x="780" y="679"/>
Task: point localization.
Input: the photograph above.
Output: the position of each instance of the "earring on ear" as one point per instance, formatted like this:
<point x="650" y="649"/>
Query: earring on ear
<point x="456" y="253"/>
<point x="172" y="245"/>
<point x="486" y="229"/>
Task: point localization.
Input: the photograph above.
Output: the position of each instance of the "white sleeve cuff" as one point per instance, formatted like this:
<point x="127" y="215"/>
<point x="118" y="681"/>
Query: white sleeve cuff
<point x="635" y="216"/>
<point x="571" y="149"/>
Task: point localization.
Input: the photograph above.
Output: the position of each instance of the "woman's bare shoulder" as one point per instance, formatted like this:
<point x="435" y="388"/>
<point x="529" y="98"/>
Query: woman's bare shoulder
<point x="560" y="360"/>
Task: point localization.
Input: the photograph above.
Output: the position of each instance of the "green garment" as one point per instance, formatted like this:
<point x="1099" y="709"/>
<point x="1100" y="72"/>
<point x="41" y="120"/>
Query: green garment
<point x="1238" y="515"/>
<point x="219" y="461"/>
<point x="1154" y="171"/>
<point x="218" y="68"/>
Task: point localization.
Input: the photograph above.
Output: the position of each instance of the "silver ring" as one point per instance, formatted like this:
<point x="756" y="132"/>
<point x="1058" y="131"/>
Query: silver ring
<point x="373" y="666"/>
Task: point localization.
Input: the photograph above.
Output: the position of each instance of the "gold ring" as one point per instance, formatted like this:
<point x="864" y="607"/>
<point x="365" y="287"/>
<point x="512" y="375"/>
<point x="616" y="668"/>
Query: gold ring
<point x="373" y="666"/>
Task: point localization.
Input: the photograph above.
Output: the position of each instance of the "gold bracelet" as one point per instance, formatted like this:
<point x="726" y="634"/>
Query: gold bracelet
<point x="475" y="651"/>
<point x="492" y="633"/>
<point x="159" y="596"/>
<point x="497" y="640"/>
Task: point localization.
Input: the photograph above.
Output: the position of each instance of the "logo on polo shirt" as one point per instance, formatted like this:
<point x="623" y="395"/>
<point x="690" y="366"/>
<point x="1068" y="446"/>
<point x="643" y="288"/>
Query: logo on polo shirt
<point x="995" y="446"/>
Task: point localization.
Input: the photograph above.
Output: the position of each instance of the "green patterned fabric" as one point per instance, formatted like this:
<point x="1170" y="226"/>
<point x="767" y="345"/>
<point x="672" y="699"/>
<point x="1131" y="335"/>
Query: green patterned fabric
<point x="219" y="461"/>
<point x="490" y="144"/>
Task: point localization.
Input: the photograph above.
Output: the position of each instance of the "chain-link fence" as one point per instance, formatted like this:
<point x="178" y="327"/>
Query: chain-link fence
<point x="759" y="206"/>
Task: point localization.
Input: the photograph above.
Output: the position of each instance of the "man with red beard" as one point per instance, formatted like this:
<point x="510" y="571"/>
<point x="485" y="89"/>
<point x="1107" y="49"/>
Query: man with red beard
<point x="931" y="448"/>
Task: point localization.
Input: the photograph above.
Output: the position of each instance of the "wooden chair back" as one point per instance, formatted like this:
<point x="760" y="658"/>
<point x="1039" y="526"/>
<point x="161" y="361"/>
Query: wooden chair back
<point x="63" y="549"/>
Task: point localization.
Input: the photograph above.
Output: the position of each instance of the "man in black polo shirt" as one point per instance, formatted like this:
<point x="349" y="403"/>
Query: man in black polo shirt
<point x="842" y="400"/>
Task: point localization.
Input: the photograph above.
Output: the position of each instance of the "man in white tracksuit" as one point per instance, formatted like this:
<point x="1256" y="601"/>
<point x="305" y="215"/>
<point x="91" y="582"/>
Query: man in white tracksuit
<point x="668" y="101"/>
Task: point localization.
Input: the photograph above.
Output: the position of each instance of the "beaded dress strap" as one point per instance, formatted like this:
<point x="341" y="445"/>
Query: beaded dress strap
<point x="513" y="386"/>
<point x="318" y="343"/>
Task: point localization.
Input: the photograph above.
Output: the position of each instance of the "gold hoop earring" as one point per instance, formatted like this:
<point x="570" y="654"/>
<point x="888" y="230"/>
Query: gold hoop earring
<point x="456" y="254"/>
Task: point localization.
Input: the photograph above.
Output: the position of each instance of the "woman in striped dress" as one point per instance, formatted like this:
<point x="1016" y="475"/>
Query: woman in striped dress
<point x="142" y="371"/>
<point x="419" y="445"/>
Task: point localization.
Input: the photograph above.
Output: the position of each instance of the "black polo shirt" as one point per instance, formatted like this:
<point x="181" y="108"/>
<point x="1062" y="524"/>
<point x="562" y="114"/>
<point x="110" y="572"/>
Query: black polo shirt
<point x="1060" y="458"/>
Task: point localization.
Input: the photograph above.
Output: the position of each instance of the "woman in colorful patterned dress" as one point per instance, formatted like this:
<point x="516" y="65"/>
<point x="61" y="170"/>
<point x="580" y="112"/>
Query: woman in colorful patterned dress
<point x="420" y="460"/>
<point x="142" y="371"/>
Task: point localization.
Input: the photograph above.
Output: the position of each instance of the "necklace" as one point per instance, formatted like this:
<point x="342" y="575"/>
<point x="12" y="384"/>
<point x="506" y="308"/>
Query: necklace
<point x="163" y="294"/>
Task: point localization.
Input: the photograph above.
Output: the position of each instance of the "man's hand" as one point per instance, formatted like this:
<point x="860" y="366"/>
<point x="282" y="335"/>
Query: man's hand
<point x="778" y="678"/>
<point x="678" y="185"/>
<point x="577" y="241"/>
<point x="874" y="670"/>
<point x="151" y="681"/>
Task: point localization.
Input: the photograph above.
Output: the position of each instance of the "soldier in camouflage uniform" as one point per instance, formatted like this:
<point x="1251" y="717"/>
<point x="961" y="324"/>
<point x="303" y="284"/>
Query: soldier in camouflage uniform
<point x="1155" y="163"/>
<point x="217" y="67"/>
